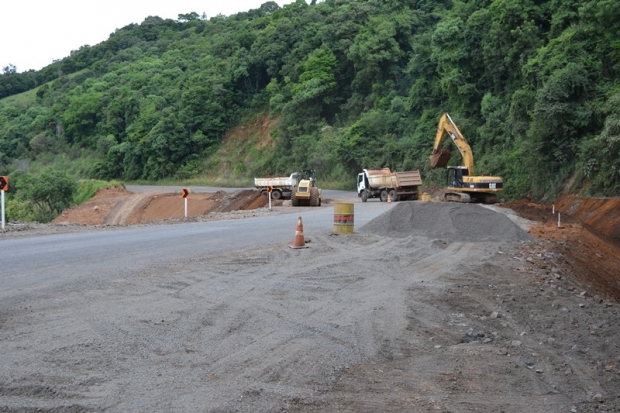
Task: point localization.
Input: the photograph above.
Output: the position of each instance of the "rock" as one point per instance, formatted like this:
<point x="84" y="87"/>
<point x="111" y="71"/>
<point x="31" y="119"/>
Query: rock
<point x="515" y="343"/>
<point x="494" y="314"/>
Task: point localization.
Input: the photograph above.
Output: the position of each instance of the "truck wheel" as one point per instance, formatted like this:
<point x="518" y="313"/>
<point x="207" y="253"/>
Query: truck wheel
<point x="314" y="197"/>
<point x="364" y="195"/>
<point x="394" y="196"/>
<point x="383" y="196"/>
<point x="276" y="194"/>
<point x="264" y="192"/>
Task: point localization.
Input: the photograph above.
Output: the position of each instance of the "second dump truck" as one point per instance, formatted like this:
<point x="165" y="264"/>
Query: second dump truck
<point x="281" y="186"/>
<point x="383" y="183"/>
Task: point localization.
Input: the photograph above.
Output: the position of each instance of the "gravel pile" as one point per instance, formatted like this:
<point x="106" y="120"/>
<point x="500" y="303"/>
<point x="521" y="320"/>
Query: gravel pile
<point x="453" y="221"/>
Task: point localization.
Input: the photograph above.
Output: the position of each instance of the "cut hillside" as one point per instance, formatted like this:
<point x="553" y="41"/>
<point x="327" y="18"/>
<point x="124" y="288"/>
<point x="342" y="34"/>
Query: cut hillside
<point x="245" y="148"/>
<point x="586" y="236"/>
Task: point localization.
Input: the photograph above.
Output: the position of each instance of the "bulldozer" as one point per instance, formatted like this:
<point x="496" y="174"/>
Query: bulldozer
<point x="306" y="193"/>
<point x="462" y="184"/>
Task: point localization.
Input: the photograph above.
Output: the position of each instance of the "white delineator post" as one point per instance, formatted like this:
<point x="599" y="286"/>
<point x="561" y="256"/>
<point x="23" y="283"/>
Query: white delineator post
<point x="185" y="207"/>
<point x="553" y="209"/>
<point x="269" y="201"/>
<point x="2" y="202"/>
<point x="558" y="220"/>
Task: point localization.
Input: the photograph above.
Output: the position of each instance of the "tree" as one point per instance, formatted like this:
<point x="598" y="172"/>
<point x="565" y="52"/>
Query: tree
<point x="48" y="193"/>
<point x="9" y="70"/>
<point x="188" y="17"/>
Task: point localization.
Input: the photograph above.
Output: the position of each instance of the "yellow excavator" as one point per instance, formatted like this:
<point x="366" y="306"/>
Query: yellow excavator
<point x="463" y="185"/>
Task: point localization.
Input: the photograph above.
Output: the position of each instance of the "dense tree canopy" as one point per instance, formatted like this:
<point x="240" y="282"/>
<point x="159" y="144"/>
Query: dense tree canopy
<point x="534" y="85"/>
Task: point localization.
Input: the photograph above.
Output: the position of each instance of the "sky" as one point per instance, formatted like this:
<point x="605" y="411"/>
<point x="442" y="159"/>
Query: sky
<point x="34" y="33"/>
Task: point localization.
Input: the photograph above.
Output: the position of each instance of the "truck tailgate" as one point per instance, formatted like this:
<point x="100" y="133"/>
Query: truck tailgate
<point x="408" y="178"/>
<point x="278" y="182"/>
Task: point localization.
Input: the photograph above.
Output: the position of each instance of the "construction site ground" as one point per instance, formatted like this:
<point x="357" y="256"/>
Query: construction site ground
<point x="428" y="308"/>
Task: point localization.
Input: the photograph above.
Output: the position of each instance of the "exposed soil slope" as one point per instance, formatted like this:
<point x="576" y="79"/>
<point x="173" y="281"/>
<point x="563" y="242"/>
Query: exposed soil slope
<point x="586" y="236"/>
<point x="117" y="206"/>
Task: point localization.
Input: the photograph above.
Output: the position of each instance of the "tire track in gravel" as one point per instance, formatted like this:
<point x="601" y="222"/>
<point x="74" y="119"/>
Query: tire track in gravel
<point x="306" y="329"/>
<point x="125" y="208"/>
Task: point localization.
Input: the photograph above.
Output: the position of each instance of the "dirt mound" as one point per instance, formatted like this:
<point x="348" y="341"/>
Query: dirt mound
<point x="95" y="210"/>
<point x="117" y="206"/>
<point x="457" y="222"/>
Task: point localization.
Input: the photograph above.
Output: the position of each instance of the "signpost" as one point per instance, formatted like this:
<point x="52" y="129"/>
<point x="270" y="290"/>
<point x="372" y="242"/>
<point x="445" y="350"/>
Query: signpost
<point x="270" y="190"/>
<point x="4" y="186"/>
<point x="185" y="195"/>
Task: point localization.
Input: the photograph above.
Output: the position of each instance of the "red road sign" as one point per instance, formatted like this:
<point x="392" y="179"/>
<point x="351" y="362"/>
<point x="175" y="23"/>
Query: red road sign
<point x="185" y="193"/>
<point x="269" y="189"/>
<point x="4" y="183"/>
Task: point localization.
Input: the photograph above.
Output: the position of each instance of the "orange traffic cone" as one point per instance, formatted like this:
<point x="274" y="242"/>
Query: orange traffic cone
<point x="298" y="241"/>
<point x="389" y="199"/>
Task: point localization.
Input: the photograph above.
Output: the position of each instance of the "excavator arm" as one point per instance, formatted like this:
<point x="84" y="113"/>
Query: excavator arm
<point x="441" y="156"/>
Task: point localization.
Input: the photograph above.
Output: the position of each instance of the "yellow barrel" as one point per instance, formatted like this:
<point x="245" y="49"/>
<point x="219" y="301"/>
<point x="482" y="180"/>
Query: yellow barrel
<point x="343" y="218"/>
<point x="426" y="197"/>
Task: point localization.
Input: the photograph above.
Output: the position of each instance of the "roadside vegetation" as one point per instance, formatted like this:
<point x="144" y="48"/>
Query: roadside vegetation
<point x="44" y="196"/>
<point x="336" y="86"/>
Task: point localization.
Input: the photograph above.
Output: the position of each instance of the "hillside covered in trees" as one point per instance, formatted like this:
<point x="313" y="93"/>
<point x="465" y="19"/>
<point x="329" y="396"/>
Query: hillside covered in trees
<point x="534" y="85"/>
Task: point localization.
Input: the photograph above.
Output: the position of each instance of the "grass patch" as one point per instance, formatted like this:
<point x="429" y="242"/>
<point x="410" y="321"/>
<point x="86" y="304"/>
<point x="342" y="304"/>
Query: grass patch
<point x="87" y="188"/>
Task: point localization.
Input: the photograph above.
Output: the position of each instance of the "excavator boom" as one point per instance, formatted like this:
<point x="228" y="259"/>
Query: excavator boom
<point x="441" y="156"/>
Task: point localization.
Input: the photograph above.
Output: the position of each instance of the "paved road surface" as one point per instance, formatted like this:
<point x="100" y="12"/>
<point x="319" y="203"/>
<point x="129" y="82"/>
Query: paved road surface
<point x="65" y="258"/>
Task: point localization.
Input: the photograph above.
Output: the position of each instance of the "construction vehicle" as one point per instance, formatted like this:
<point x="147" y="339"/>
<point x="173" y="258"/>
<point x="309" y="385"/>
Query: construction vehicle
<point x="462" y="184"/>
<point x="281" y="187"/>
<point x="383" y="183"/>
<point x="306" y="193"/>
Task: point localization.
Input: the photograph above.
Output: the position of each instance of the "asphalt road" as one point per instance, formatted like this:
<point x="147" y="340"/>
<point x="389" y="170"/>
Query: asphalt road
<point x="40" y="262"/>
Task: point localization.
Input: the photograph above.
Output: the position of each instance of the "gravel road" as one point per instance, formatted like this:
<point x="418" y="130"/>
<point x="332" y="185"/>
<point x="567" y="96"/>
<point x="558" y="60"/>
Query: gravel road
<point x="429" y="307"/>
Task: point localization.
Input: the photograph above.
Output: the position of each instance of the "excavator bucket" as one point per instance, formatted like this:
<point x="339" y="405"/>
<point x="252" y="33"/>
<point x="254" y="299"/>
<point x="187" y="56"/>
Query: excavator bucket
<point x="440" y="158"/>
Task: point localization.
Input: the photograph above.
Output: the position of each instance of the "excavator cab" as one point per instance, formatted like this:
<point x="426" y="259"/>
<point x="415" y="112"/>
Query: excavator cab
<point x="455" y="174"/>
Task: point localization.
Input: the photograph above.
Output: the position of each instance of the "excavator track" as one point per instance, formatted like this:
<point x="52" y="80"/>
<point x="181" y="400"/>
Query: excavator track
<point x="457" y="197"/>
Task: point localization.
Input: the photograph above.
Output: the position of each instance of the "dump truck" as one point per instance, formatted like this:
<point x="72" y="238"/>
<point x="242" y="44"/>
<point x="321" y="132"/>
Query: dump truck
<point x="463" y="185"/>
<point x="281" y="187"/>
<point x="383" y="183"/>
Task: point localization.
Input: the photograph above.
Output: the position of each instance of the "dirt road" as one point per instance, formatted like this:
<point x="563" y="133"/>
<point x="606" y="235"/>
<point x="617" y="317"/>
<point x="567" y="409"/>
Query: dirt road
<point x="431" y="307"/>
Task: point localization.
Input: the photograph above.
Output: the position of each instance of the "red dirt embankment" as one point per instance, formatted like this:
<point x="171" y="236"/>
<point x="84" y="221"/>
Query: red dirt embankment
<point x="117" y="206"/>
<point x="601" y="214"/>
<point x="588" y="236"/>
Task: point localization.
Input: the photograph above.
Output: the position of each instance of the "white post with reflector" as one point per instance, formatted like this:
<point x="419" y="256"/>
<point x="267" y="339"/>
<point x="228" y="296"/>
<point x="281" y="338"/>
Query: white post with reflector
<point x="2" y="209"/>
<point x="269" y="191"/>
<point x="185" y="194"/>
<point x="4" y="186"/>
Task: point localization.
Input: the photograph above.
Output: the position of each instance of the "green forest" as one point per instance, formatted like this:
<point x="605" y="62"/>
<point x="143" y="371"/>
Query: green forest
<point x="534" y="85"/>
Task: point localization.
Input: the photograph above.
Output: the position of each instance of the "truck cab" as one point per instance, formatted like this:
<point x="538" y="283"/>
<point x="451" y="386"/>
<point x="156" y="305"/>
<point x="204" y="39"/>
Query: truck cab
<point x="362" y="183"/>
